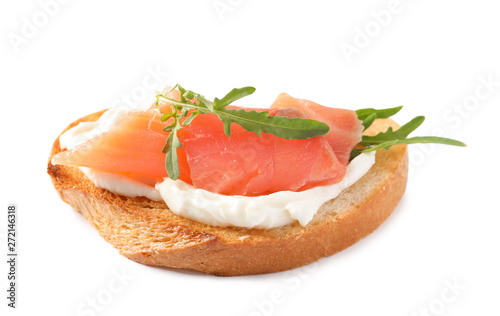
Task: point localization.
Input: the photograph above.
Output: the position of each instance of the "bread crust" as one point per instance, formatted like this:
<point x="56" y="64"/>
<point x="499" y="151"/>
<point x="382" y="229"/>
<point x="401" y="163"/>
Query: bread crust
<point x="149" y="233"/>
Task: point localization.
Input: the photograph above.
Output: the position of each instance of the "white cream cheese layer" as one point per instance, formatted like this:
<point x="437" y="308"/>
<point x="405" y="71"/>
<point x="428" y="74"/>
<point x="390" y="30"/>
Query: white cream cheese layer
<point x="120" y="184"/>
<point x="267" y="211"/>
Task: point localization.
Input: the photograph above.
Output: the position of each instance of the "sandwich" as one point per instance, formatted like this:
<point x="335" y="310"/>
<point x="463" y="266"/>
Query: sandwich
<point x="213" y="187"/>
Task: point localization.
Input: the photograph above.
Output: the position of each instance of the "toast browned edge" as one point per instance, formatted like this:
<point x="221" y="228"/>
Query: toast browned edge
<point x="148" y="232"/>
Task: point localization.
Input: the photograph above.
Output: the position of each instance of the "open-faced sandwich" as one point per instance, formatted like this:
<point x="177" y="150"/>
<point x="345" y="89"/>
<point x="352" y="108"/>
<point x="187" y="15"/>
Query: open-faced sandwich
<point x="209" y="186"/>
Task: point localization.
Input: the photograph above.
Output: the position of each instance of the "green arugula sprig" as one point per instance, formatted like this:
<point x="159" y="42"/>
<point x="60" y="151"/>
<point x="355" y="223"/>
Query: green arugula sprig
<point x="252" y="121"/>
<point x="390" y="137"/>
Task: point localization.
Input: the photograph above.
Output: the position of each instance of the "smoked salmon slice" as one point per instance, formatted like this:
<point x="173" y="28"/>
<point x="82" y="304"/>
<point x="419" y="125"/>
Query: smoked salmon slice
<point x="246" y="164"/>
<point x="243" y="164"/>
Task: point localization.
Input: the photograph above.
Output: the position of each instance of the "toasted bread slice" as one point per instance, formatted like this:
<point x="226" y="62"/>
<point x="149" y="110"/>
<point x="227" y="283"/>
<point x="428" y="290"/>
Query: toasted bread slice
<point x="148" y="232"/>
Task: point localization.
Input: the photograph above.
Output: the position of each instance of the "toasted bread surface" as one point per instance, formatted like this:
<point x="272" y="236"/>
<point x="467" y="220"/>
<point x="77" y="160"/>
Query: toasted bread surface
<point x="148" y="232"/>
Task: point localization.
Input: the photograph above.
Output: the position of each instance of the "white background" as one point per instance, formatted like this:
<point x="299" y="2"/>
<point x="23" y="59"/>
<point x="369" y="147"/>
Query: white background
<point x="430" y="56"/>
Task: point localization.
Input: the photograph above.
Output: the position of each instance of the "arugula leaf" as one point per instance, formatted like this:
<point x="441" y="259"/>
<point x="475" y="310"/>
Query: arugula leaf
<point x="201" y="99"/>
<point x="384" y="145"/>
<point x="390" y="137"/>
<point x="170" y="149"/>
<point x="416" y="140"/>
<point x="384" y="113"/>
<point x="367" y="122"/>
<point x="233" y="96"/>
<point x="182" y="91"/>
<point x="354" y="153"/>
<point x="400" y="133"/>
<point x="167" y="116"/>
<point x="191" y="118"/>
<point x="284" y="127"/>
